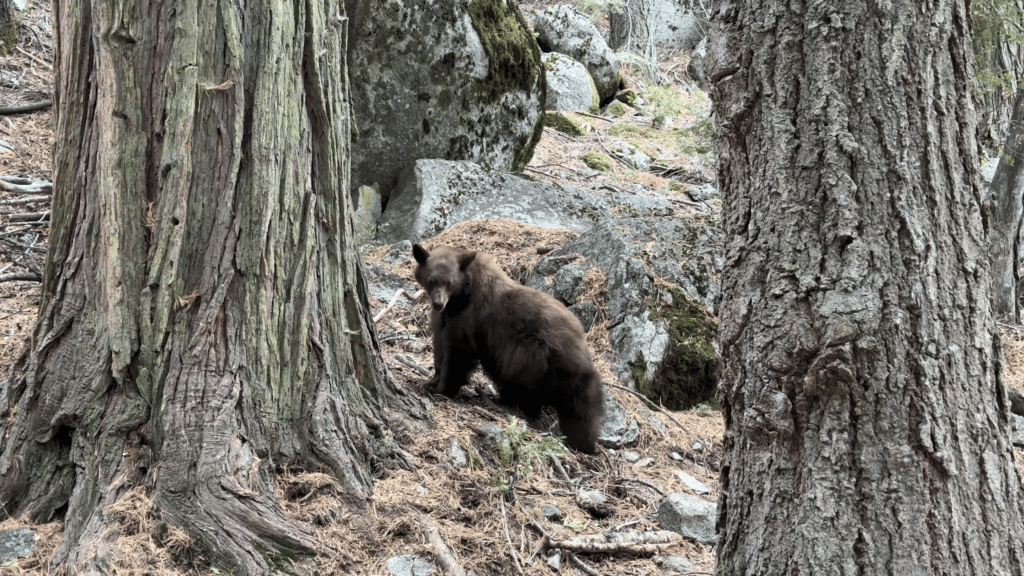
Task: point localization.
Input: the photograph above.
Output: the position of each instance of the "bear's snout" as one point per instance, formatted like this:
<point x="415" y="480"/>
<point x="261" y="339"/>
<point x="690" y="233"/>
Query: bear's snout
<point x="438" y="298"/>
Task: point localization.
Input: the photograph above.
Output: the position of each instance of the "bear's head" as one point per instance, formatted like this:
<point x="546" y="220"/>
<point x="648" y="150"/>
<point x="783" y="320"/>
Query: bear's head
<point x="443" y="272"/>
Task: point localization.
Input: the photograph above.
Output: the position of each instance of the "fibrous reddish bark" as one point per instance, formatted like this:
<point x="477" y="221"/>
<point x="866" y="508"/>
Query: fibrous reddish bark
<point x="866" y="413"/>
<point x="203" y="321"/>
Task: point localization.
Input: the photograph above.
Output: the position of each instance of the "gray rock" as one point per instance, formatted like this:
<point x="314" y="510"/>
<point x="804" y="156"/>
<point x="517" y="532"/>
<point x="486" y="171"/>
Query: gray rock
<point x="696" y="66"/>
<point x="459" y="457"/>
<point x="692" y="483"/>
<point x="551" y="512"/>
<point x="630" y="456"/>
<point x="675" y="564"/>
<point x="367" y="213"/>
<point x="689" y="516"/>
<point x="434" y="195"/>
<point x="631" y="251"/>
<point x="632" y="156"/>
<point x="675" y="24"/>
<point x="16" y="543"/>
<point x="399" y="252"/>
<point x="657" y="424"/>
<point x="435" y="79"/>
<point x="554" y="560"/>
<point x="409" y="565"/>
<point x="587" y="313"/>
<point x="594" y="503"/>
<point x="639" y="339"/>
<point x="617" y="431"/>
<point x="568" y="282"/>
<point x="1017" y="430"/>
<point x="564" y="30"/>
<point x="494" y="438"/>
<point x="570" y="86"/>
<point x="644" y="462"/>
<point x="704" y="193"/>
<point x="383" y="284"/>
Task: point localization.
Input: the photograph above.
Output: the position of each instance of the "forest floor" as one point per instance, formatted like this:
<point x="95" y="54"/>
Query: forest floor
<point x="487" y="511"/>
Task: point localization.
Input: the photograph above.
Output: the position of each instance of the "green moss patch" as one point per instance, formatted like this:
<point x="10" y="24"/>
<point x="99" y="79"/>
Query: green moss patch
<point x="618" y="109"/>
<point x="565" y="124"/>
<point x="627" y="96"/>
<point x="688" y="375"/>
<point x="513" y="58"/>
<point x="599" y="161"/>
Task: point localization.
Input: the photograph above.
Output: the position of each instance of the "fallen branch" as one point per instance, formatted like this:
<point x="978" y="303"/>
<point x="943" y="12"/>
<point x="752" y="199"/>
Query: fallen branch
<point x="25" y="185"/>
<point x="35" y="58"/>
<point x="442" y="553"/>
<point x="394" y="300"/>
<point x="408" y="361"/>
<point x="24" y="108"/>
<point x="643" y="543"/>
<point x="508" y="539"/>
<point x="23" y="276"/>
<point x="582" y="565"/>
<point x="30" y="217"/>
<point x="657" y="408"/>
<point x="22" y="201"/>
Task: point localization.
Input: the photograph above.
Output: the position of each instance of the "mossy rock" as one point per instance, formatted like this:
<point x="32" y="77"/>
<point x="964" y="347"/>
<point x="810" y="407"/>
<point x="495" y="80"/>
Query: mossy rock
<point x="599" y="161"/>
<point x="618" y="109"/>
<point x="566" y="124"/>
<point x="689" y="372"/>
<point x="627" y="96"/>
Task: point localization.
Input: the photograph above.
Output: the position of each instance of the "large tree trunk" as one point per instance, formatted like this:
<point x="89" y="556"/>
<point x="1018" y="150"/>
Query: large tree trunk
<point x="204" y="321"/>
<point x="8" y="27"/>
<point x="866" y="412"/>
<point x="1006" y="199"/>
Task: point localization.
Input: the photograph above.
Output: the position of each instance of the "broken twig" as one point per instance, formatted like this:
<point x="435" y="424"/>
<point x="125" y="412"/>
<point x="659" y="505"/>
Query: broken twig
<point x="442" y="553"/>
<point x="408" y="361"/>
<point x="394" y="300"/>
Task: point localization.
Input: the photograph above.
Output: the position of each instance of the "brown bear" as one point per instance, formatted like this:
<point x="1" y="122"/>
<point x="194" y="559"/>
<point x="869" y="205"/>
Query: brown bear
<point x="527" y="342"/>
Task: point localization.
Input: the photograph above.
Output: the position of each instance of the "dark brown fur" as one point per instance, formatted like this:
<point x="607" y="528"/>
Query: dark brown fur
<point x="526" y="341"/>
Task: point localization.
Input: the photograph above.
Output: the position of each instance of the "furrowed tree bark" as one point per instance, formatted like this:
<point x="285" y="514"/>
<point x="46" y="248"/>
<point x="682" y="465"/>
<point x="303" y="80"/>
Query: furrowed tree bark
<point x="1006" y="200"/>
<point x="866" y="411"/>
<point x="204" y="321"/>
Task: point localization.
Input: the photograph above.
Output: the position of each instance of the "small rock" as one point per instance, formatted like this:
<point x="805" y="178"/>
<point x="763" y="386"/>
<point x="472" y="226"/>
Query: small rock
<point x="16" y="543"/>
<point x="459" y="457"/>
<point x="675" y="456"/>
<point x="617" y="431"/>
<point x="689" y="516"/>
<point x="593" y="502"/>
<point x="409" y="565"/>
<point x="366" y="214"/>
<point x="422" y="491"/>
<point x="657" y="424"/>
<point x="704" y="193"/>
<point x="494" y="438"/>
<point x="551" y="512"/>
<point x="675" y="564"/>
<point x="400" y="252"/>
<point x="698" y="447"/>
<point x="643" y="463"/>
<point x="692" y="483"/>
<point x="555" y="560"/>
<point x="630" y="456"/>
<point x="1017" y="430"/>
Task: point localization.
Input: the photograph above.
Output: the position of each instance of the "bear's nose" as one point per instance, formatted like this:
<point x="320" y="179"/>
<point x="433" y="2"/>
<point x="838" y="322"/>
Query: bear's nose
<point x="438" y="305"/>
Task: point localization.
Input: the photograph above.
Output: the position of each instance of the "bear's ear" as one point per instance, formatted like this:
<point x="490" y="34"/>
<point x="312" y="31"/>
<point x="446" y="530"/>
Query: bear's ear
<point x="420" y="253"/>
<point x="466" y="259"/>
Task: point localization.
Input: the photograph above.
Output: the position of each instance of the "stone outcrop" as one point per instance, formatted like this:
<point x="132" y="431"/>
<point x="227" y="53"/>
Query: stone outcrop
<point x="564" y="30"/>
<point x="441" y="79"/>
